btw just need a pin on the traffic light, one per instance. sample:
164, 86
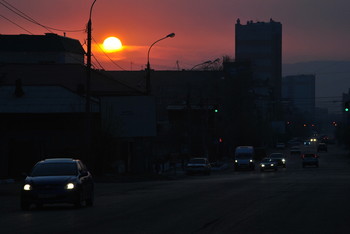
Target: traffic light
346, 106
216, 109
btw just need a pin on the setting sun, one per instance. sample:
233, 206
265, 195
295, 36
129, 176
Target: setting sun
112, 44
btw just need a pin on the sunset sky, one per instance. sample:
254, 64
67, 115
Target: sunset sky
312, 29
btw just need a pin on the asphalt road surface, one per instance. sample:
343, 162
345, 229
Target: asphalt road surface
291, 200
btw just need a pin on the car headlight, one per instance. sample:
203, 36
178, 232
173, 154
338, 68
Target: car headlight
251, 160
236, 161
70, 186
283, 160
27, 187
262, 165
272, 164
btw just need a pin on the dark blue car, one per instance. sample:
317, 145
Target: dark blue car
58, 180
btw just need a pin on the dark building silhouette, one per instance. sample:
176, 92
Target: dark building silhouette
299, 91
48, 48
261, 44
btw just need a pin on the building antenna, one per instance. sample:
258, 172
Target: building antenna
177, 65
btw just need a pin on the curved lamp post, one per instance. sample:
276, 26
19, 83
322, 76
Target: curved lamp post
148, 74
206, 62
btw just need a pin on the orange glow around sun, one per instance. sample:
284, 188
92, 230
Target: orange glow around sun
112, 44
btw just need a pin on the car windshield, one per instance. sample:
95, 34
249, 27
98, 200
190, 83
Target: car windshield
309, 155
55, 169
267, 160
276, 156
243, 156
197, 161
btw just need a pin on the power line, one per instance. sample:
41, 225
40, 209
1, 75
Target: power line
108, 56
16, 24
98, 62
22, 15
30, 19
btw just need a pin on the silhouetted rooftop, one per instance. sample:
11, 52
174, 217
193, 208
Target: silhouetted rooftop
39, 43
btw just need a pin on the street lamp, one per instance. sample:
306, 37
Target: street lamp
148, 74
206, 62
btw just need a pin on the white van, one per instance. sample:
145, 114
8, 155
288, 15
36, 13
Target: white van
244, 158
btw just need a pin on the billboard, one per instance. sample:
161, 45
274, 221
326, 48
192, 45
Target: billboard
129, 116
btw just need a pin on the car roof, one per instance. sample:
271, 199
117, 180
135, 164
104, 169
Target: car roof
59, 160
276, 154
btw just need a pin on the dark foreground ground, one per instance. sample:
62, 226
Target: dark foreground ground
291, 200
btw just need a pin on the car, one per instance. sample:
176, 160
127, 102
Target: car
280, 158
280, 145
310, 159
295, 150
198, 166
244, 158
57, 180
268, 164
322, 147
294, 142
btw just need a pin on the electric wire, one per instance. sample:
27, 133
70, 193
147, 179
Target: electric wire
30, 19
98, 62
16, 24
107, 55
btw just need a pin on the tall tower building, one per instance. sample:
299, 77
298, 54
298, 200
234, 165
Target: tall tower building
299, 90
261, 44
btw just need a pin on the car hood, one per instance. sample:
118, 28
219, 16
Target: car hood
267, 163
40, 180
196, 165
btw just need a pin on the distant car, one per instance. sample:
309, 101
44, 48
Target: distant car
280, 158
268, 164
198, 166
322, 147
280, 145
310, 159
295, 150
58, 180
244, 158
294, 142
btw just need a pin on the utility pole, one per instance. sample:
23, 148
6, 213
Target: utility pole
88, 81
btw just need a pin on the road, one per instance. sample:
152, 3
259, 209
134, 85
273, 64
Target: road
291, 200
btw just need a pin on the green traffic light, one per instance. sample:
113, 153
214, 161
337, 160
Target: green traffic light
346, 109
216, 110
